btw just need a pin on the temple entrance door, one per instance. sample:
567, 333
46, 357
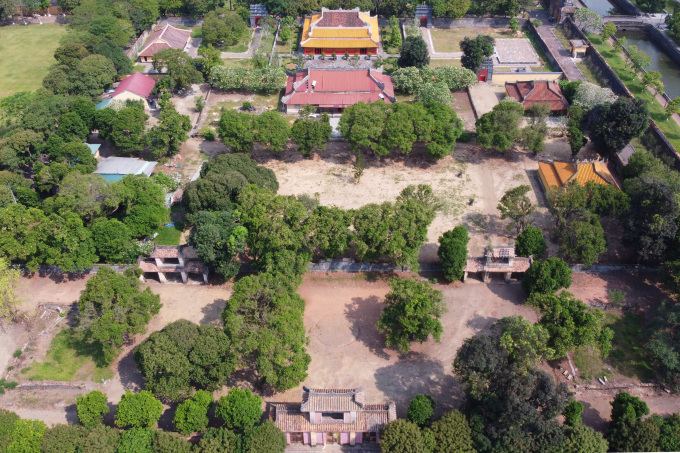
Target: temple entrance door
332, 438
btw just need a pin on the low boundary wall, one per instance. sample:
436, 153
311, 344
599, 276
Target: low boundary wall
617, 86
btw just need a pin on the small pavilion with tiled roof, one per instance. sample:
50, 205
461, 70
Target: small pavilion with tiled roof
332, 416
560, 174
538, 92
165, 259
166, 37
497, 259
340, 31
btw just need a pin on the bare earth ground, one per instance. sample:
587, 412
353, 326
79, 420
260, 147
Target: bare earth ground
346, 349
468, 185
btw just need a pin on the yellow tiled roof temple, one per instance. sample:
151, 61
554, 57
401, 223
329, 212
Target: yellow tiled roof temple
558, 174
340, 37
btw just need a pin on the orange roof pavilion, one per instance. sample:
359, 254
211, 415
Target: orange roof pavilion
559, 174
340, 31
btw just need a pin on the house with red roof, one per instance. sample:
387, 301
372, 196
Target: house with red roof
167, 37
538, 92
136, 87
334, 90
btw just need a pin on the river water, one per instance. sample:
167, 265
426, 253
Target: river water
670, 71
602, 7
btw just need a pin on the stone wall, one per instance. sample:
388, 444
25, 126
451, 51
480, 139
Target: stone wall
448, 22
626, 7
544, 47
664, 41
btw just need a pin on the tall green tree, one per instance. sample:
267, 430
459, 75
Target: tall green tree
531, 242
263, 319
180, 67
127, 133
166, 137
411, 313
453, 251
614, 125
516, 206
547, 276
401, 436
92, 408
138, 410
239, 409
236, 130
184, 356
571, 323
272, 130
413, 52
9, 280
476, 51
499, 128
311, 134
192, 415
218, 239
112, 309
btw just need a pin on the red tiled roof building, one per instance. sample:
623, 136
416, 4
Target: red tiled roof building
332, 416
333, 90
538, 92
167, 37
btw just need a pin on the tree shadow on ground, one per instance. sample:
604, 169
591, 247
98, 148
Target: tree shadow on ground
480, 323
418, 373
212, 313
168, 415
511, 292
591, 417
363, 313
130, 376
71, 414
109, 418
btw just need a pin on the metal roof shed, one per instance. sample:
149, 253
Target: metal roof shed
115, 168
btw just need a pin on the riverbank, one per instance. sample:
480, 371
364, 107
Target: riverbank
657, 112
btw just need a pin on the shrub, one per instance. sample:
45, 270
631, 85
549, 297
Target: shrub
421, 409
239, 409
91, 409
138, 410
547, 276
453, 252
209, 135
531, 242
192, 415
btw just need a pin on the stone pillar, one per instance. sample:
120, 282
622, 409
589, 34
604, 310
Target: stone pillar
159, 263
464, 276
161, 277
205, 277
184, 276
486, 277
287, 438
352, 438
507, 277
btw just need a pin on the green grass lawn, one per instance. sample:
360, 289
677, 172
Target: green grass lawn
385, 33
627, 355
562, 38
438, 63
67, 360
266, 44
242, 44
670, 128
448, 40
588, 73
26, 54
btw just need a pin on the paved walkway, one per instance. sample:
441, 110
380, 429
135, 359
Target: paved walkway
438, 55
563, 57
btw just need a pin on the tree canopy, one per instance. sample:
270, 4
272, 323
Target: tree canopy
239, 409
453, 252
547, 276
413, 52
112, 309
184, 356
263, 320
412, 311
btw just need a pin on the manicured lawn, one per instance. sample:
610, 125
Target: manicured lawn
67, 360
669, 127
448, 40
438, 63
26, 54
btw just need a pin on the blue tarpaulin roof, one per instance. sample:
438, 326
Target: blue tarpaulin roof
94, 147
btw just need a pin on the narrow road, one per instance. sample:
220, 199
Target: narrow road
563, 57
